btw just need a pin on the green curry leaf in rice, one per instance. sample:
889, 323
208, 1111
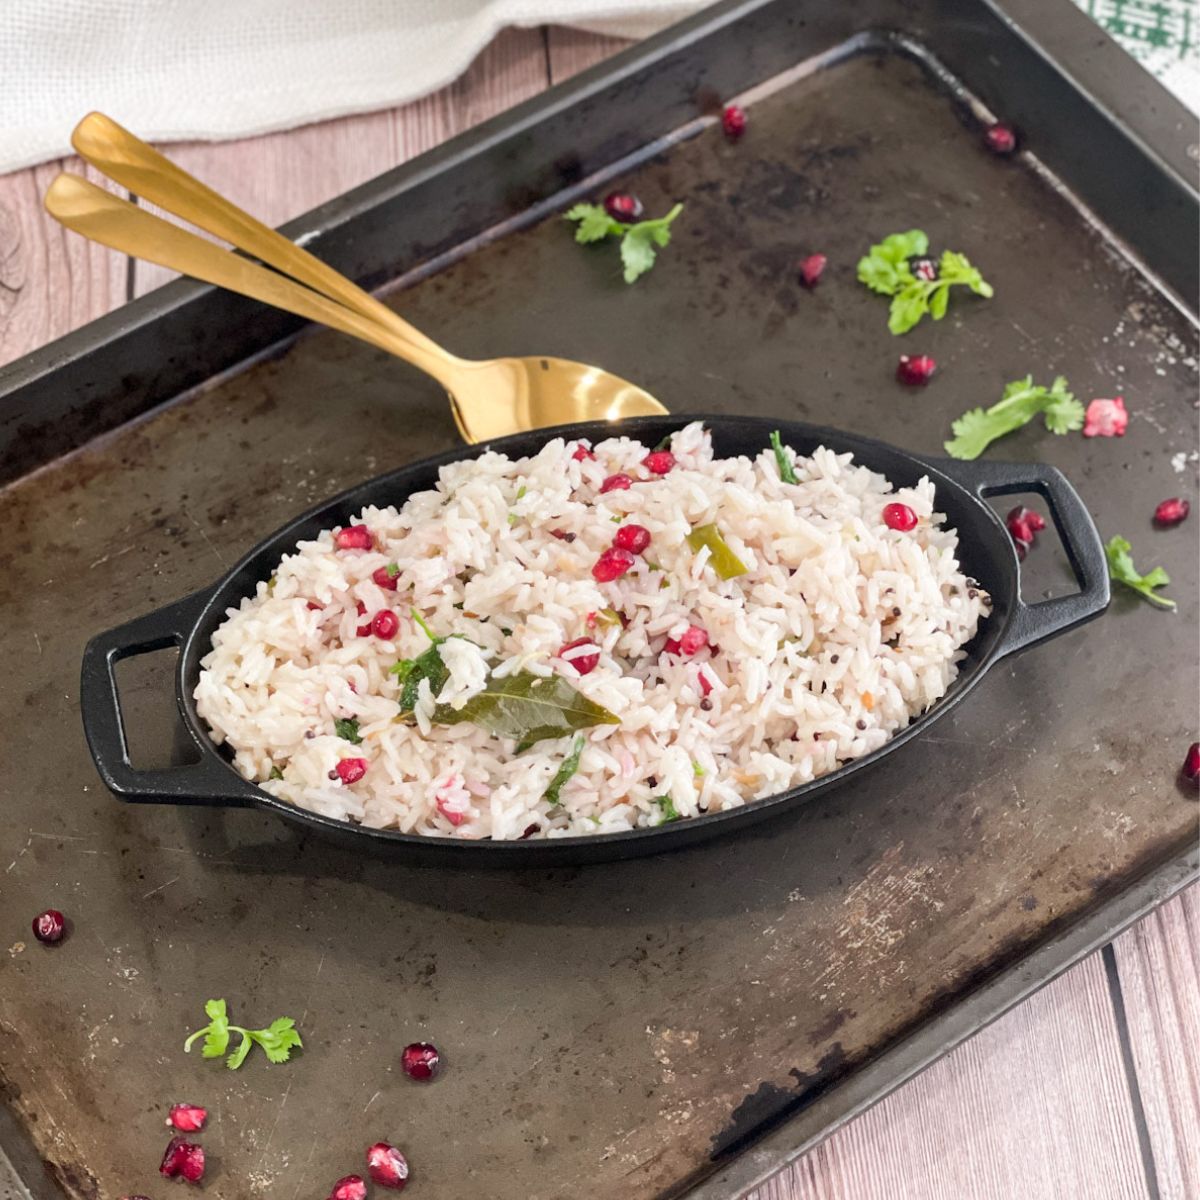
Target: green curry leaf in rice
724, 561
569, 766
527, 707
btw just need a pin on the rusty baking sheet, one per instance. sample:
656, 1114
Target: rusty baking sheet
642, 1029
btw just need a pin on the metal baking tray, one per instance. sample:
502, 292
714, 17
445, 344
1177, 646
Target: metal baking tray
685, 1024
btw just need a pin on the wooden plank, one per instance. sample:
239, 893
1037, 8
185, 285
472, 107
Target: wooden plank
571, 50
51, 281
1159, 967
280, 175
1035, 1105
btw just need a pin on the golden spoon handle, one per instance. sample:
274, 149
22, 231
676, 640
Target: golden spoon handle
105, 218
125, 158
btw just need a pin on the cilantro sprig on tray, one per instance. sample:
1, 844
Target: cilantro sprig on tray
639, 241
885, 269
277, 1040
974, 431
1122, 570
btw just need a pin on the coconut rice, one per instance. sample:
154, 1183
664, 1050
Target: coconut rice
837, 635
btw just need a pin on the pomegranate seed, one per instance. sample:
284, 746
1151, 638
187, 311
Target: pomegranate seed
659, 462
187, 1117
387, 1166
385, 579
1000, 138
354, 537
811, 269
612, 564
1023, 526
351, 770
1191, 764
585, 664
705, 686
899, 517
49, 926
384, 624
923, 268
634, 538
621, 206
183, 1158
616, 483
733, 121
349, 1187
1105, 418
313, 606
582, 452
693, 640
915, 369
1171, 512
421, 1059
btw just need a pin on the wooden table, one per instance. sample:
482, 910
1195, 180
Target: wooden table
1091, 1089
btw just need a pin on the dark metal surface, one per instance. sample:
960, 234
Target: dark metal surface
986, 554
624, 1030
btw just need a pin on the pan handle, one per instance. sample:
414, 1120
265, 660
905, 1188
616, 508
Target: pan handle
207, 781
1033, 623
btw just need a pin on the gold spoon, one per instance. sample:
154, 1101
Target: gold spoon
489, 398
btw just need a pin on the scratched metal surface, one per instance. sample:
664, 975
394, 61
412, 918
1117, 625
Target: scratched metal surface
613, 1031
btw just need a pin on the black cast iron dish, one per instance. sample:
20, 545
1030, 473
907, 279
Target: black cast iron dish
985, 552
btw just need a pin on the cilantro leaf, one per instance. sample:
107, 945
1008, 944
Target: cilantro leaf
885, 270
569, 766
786, 471
974, 431
1122, 570
276, 773
392, 569
347, 727
594, 223
277, 1040
667, 807
638, 241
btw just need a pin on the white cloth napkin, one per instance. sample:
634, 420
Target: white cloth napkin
210, 69
175, 70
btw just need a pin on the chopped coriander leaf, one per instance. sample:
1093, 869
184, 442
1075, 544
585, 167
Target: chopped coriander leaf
608, 617
402, 668
616, 518
974, 431
392, 569
459, 605
513, 518
698, 770
786, 471
1122, 570
347, 728
416, 616
726, 564
653, 566
569, 766
665, 444
506, 632
277, 1040
276, 773
667, 807
639, 242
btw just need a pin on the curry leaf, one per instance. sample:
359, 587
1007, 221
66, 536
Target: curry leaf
569, 766
724, 561
527, 707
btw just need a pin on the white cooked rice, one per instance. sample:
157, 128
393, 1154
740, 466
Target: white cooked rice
838, 635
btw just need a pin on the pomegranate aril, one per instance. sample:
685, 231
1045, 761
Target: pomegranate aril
690, 642
585, 664
616, 483
49, 926
387, 1166
1000, 138
733, 122
923, 268
621, 206
187, 1117
899, 517
915, 369
634, 538
582, 452
811, 269
351, 770
1191, 764
349, 1187
1105, 418
385, 578
1171, 512
385, 624
313, 606
421, 1060
659, 462
612, 564
362, 630
183, 1159
354, 537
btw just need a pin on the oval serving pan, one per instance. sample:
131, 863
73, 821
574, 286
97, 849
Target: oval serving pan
985, 551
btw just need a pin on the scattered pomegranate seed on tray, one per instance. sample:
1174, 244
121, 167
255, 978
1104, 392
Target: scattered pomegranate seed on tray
1000, 139
1171, 512
387, 1166
49, 927
915, 370
187, 1117
811, 269
621, 206
733, 122
420, 1060
182, 1160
